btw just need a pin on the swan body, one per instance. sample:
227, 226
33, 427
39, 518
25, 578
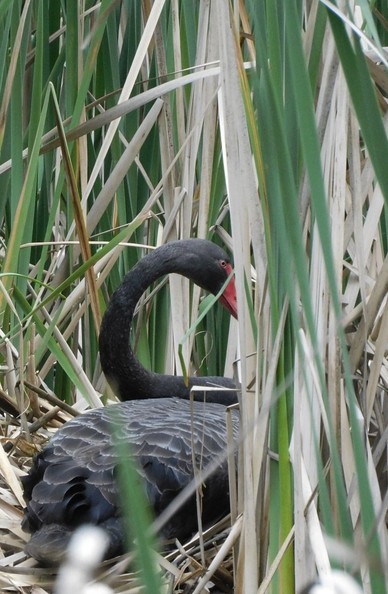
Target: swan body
73, 478
72, 481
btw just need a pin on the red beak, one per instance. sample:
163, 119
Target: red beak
229, 298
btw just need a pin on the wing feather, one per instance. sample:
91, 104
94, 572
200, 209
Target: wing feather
73, 480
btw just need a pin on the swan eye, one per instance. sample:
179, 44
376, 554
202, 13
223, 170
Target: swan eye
223, 263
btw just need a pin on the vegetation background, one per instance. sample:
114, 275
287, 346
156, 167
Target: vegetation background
262, 125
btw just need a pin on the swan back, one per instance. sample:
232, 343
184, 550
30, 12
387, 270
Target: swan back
73, 480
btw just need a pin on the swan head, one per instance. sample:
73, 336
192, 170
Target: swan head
208, 266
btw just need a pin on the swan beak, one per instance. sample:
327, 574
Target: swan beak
229, 297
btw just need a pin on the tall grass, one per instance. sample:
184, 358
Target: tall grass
262, 125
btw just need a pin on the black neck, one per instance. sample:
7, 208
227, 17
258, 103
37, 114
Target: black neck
127, 377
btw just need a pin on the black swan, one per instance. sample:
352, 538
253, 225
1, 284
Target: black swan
72, 481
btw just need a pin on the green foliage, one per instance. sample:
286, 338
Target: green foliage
261, 126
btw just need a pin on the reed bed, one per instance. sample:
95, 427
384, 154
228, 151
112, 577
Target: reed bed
263, 126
